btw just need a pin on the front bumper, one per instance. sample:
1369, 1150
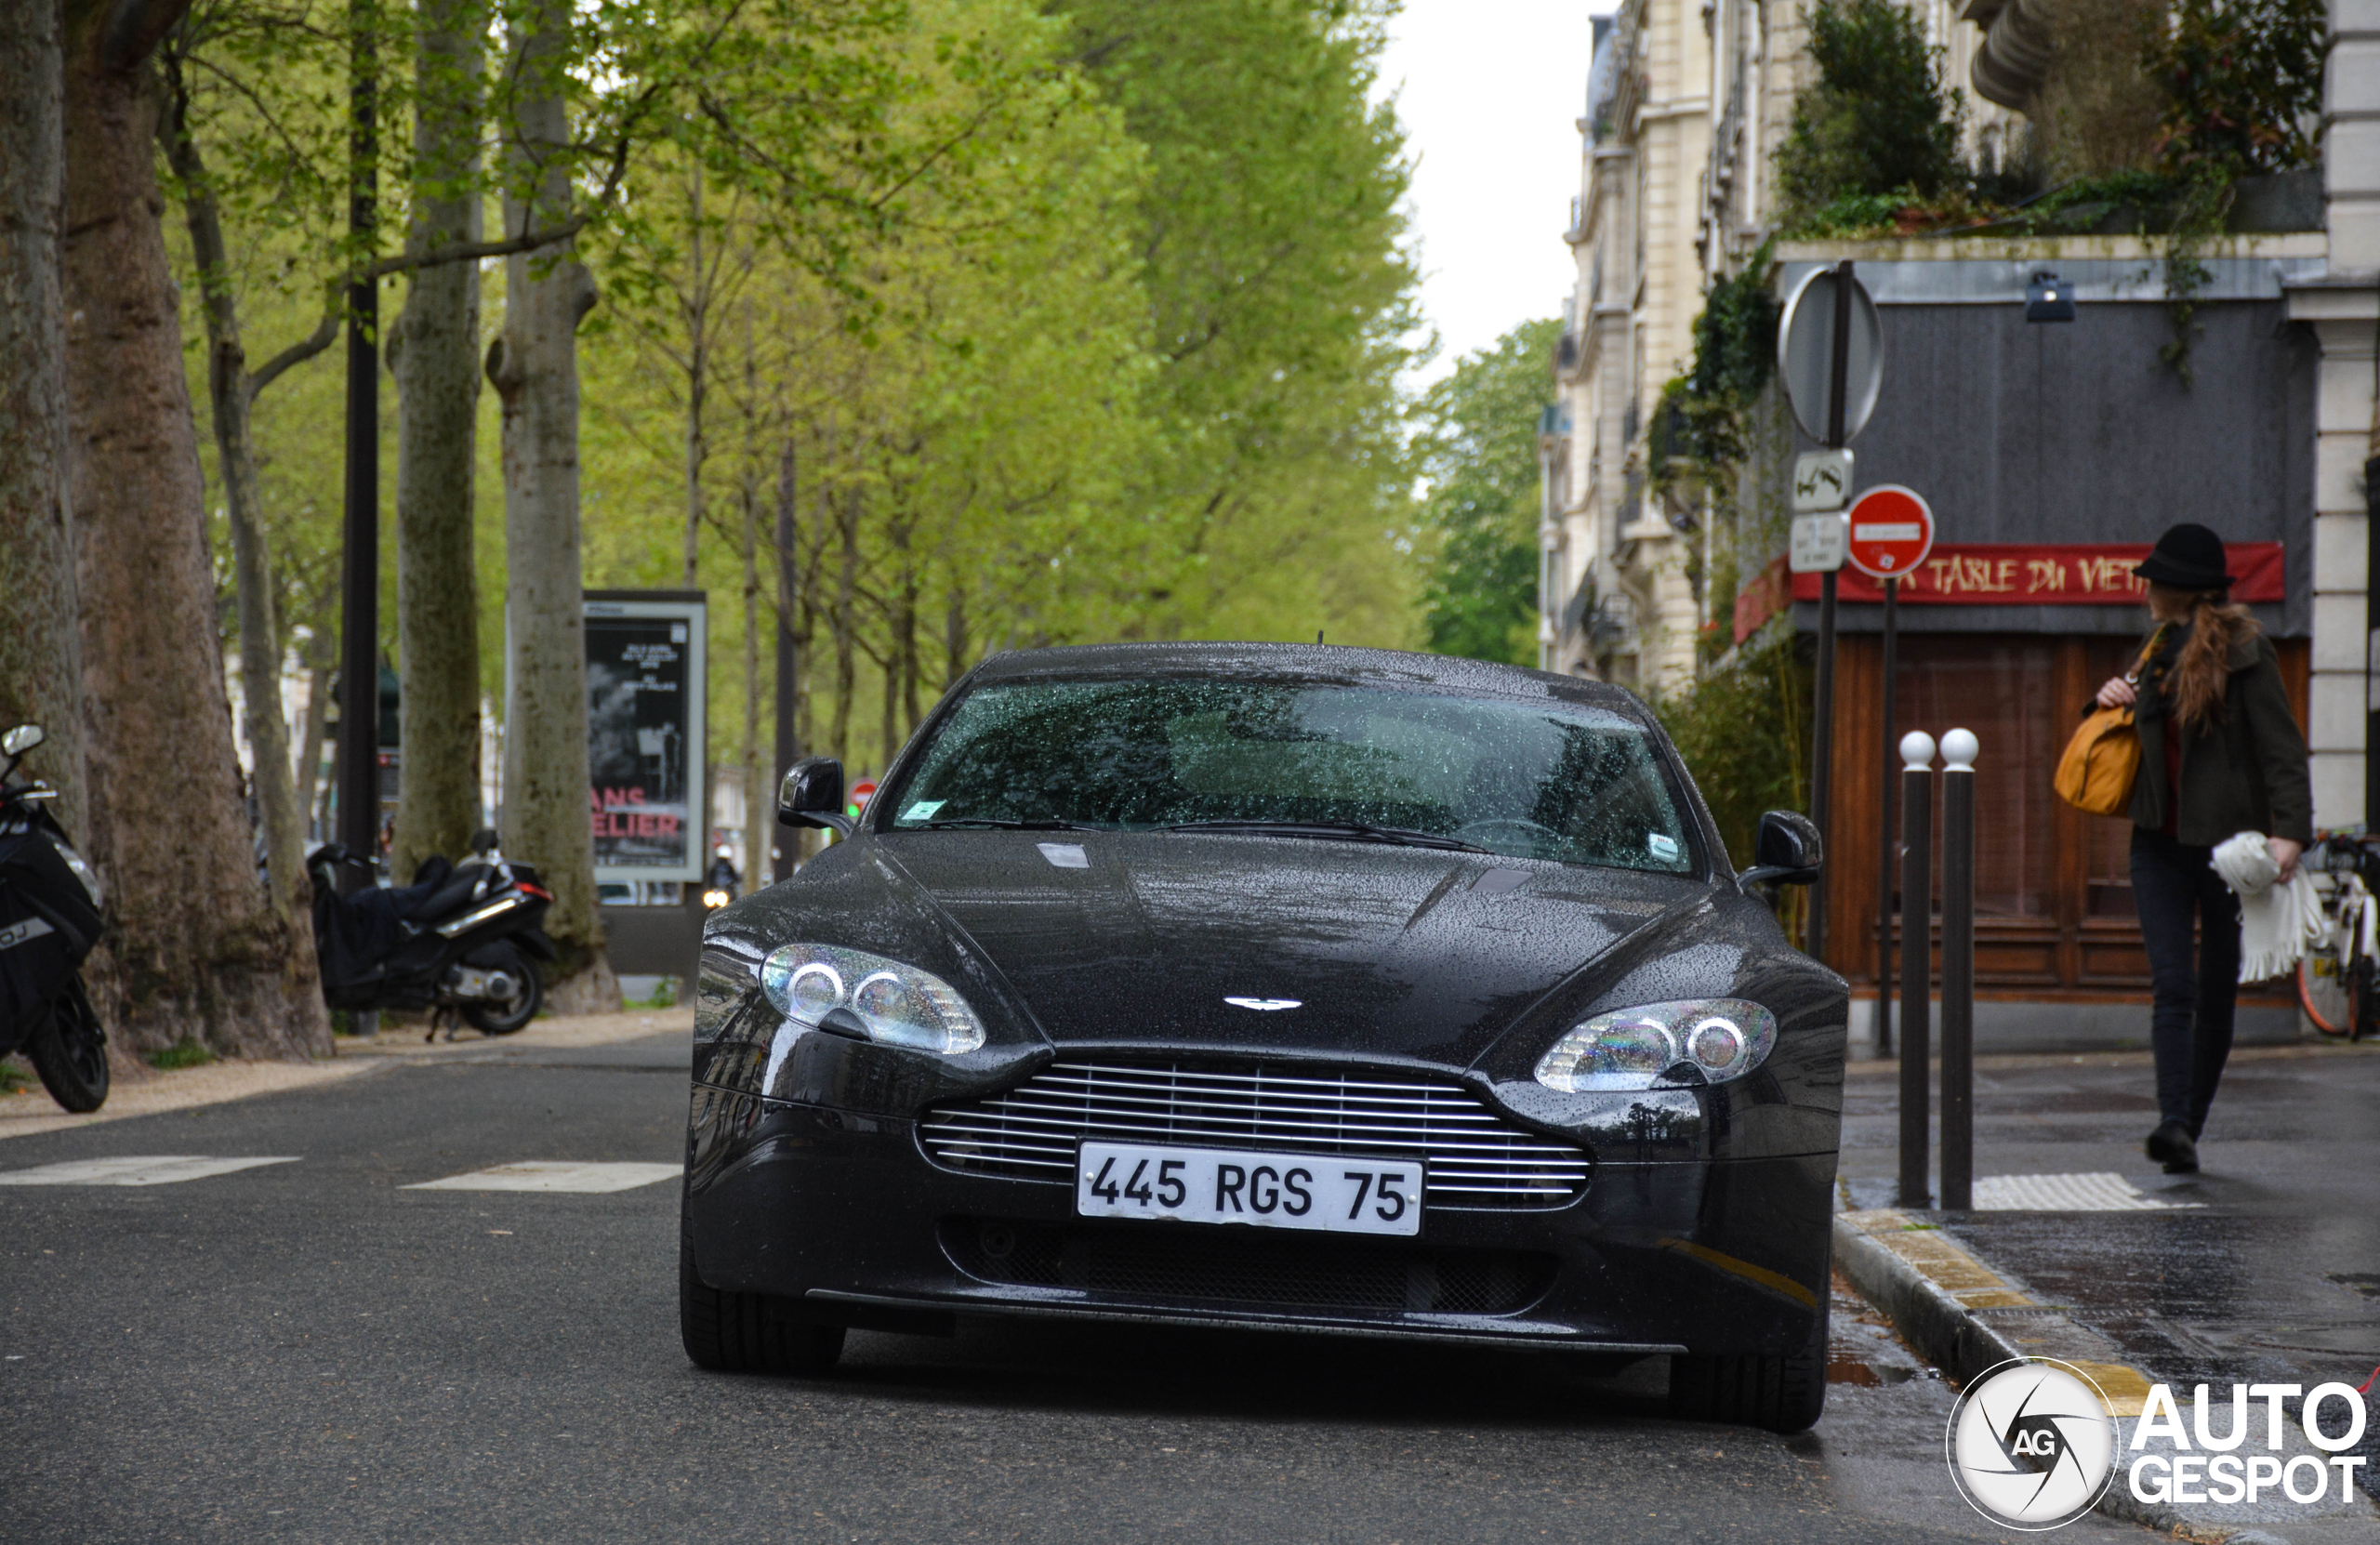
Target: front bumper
842, 1214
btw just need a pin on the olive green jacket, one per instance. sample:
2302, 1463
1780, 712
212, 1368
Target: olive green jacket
2246, 771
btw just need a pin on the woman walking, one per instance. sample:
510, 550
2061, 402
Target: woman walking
2220, 753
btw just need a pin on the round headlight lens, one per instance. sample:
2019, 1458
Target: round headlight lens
1703, 1039
1716, 1044
898, 1004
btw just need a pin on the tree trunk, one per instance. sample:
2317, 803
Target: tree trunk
534, 367
433, 351
953, 636
844, 625
307, 754
290, 891
193, 945
760, 800
695, 306
40, 654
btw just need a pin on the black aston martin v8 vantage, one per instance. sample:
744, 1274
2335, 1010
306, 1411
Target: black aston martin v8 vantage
1280, 986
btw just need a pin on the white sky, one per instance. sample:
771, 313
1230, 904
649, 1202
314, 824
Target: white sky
1490, 92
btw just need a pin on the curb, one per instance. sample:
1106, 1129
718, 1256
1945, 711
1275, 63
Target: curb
1945, 1302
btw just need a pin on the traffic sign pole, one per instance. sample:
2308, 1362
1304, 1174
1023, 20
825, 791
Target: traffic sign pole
1891, 530
1885, 843
1822, 716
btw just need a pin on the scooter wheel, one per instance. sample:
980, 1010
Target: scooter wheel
502, 1019
70, 1052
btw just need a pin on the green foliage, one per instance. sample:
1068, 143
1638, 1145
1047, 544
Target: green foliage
1878, 118
1700, 416
1279, 292
189, 1051
2244, 80
15, 1073
1476, 439
1743, 729
1080, 320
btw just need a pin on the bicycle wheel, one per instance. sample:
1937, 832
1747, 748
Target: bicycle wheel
2323, 992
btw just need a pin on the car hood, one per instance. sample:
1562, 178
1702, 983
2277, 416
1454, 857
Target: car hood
1123, 938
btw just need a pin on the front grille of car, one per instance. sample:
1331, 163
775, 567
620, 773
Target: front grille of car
1472, 1157
1155, 1261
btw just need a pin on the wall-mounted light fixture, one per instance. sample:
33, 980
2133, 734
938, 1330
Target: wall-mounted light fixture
2049, 298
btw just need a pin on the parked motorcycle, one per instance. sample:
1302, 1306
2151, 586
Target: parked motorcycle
462, 938
49, 920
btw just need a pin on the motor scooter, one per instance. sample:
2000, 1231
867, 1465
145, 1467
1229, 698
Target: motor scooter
462, 938
49, 920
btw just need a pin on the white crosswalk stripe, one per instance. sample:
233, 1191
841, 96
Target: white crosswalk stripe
554, 1175
2098, 1192
143, 1170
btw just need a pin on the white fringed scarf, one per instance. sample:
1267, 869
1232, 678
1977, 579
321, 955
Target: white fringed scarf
2277, 922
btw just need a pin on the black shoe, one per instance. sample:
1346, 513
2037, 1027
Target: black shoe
2171, 1146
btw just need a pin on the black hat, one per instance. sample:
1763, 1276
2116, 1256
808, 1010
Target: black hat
2188, 558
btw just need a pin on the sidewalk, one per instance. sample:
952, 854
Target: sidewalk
2263, 1268
31, 1110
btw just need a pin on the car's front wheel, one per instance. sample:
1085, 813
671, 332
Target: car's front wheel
745, 1332
1784, 1394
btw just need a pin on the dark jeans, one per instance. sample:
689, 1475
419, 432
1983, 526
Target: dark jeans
2173, 887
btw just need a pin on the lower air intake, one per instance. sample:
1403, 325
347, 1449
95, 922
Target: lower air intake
1158, 1263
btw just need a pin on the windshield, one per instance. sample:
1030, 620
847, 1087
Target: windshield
1530, 780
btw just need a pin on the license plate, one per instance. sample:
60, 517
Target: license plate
1281, 1191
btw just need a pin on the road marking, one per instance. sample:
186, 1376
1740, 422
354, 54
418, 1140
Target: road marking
554, 1175
2100, 1192
147, 1169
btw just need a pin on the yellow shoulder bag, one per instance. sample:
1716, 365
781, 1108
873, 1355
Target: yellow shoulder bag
2101, 763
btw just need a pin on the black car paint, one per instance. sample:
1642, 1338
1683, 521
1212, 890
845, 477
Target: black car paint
1704, 1224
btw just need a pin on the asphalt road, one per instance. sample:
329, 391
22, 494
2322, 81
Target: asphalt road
307, 1350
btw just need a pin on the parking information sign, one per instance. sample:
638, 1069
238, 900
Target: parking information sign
1892, 530
1817, 543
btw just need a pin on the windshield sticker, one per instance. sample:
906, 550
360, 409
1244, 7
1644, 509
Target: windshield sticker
1064, 855
1662, 847
923, 810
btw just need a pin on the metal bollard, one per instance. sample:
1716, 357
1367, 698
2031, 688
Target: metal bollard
1958, 750
1916, 962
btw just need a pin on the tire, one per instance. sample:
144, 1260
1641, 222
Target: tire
2323, 994
2363, 1001
71, 1051
1783, 1394
745, 1332
503, 1020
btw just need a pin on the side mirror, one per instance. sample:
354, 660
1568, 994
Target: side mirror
485, 841
21, 739
811, 794
1789, 851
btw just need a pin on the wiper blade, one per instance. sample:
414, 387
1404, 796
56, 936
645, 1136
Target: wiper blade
1004, 823
1360, 831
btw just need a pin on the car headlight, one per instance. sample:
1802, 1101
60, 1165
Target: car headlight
1704, 1040
898, 1005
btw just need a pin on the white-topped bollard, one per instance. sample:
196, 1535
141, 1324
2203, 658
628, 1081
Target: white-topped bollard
1916, 964
1959, 751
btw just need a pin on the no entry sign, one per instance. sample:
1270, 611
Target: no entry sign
1892, 530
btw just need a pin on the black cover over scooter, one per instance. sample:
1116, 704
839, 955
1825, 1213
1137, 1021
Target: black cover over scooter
354, 933
47, 925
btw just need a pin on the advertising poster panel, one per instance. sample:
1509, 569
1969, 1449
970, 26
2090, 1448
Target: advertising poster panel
645, 666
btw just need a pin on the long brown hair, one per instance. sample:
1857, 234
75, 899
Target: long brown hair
2218, 626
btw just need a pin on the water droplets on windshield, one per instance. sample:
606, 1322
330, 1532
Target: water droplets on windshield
1575, 783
